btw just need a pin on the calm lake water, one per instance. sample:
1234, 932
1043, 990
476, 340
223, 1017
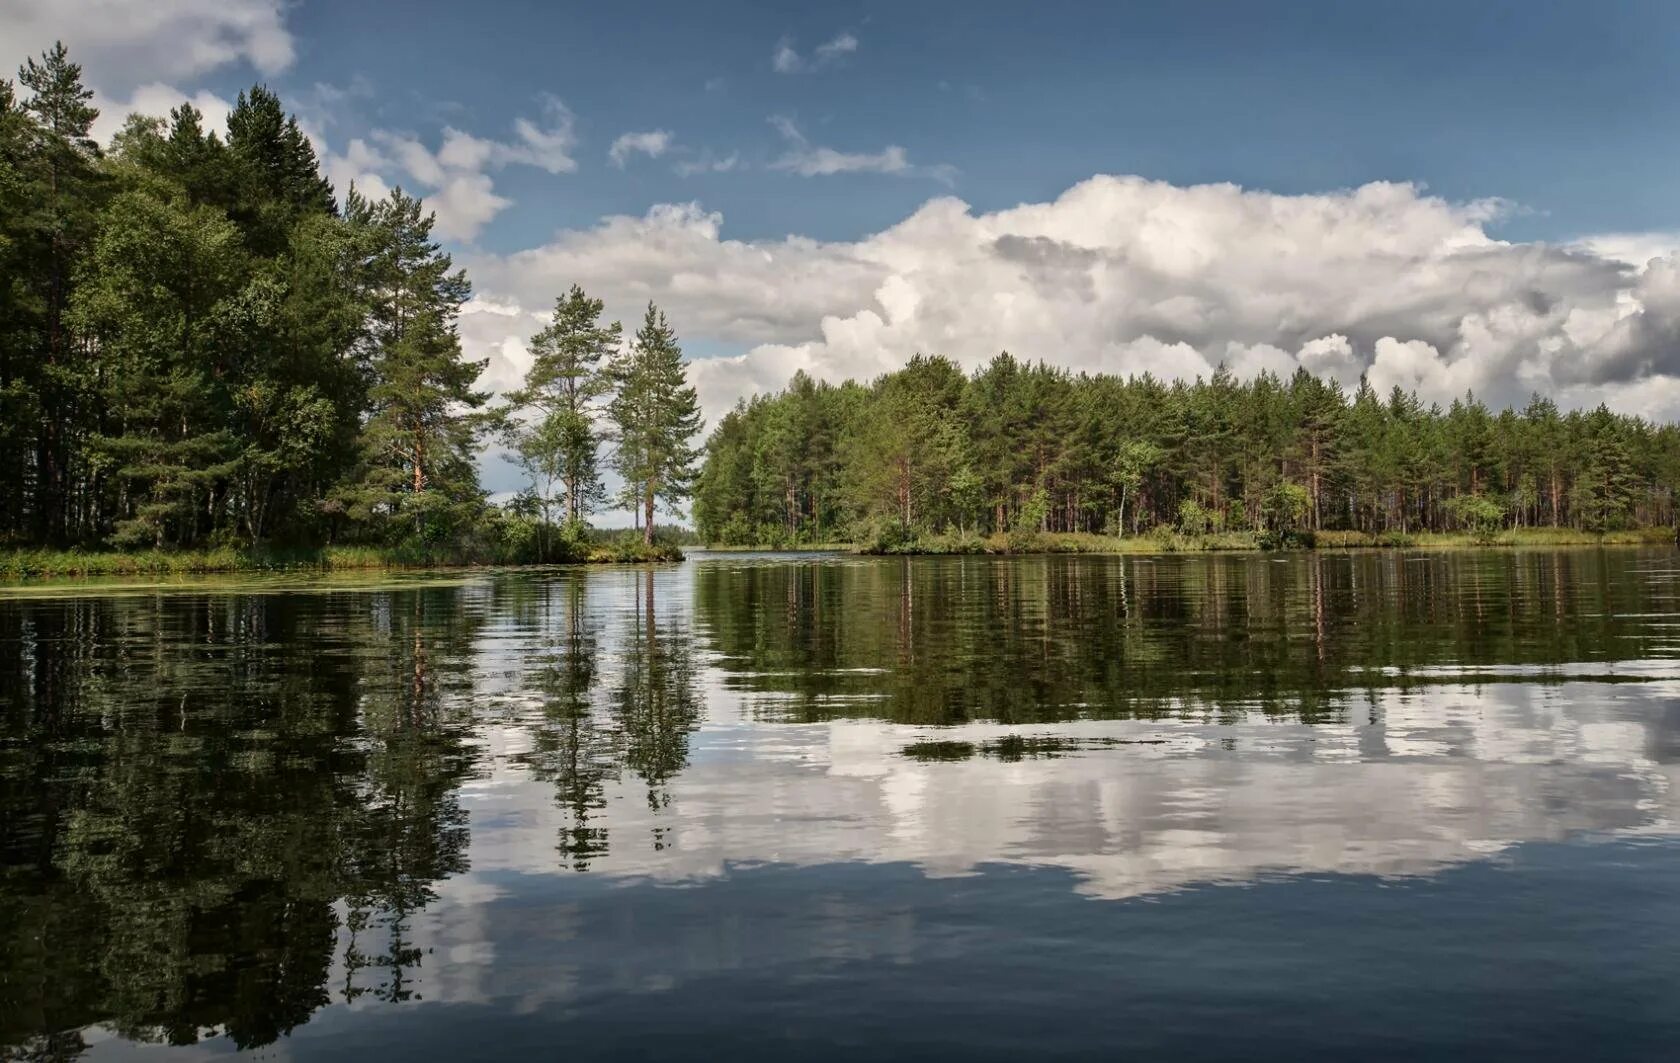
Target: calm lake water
1383, 805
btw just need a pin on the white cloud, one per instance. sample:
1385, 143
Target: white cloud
548, 146
157, 100
707, 162
652, 143
1636, 249
808, 160
465, 203
785, 58
1125, 275
359, 165
454, 176
133, 42
831, 51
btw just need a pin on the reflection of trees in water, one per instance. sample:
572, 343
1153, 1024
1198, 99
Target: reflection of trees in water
655, 700
945, 640
184, 797
635, 714
572, 746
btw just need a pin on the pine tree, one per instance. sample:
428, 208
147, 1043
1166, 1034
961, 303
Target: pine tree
1607, 486
563, 388
60, 166
656, 414
20, 407
418, 442
278, 179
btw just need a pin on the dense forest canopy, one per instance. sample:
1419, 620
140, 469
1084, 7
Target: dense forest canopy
200, 345
1017, 446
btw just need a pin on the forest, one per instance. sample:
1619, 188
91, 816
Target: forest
930, 457
202, 348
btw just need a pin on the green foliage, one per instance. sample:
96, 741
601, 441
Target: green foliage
202, 351
556, 431
417, 476
1193, 518
1482, 516
1024, 536
656, 414
1014, 448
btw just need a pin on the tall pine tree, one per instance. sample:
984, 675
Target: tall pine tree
656, 414
562, 392
418, 443
63, 198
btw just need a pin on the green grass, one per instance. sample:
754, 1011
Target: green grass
1510, 537
1170, 541
771, 548
25, 564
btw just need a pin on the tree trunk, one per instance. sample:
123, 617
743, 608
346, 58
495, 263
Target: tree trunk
647, 513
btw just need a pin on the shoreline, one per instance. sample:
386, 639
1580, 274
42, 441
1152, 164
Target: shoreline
28, 565
1231, 542
20, 567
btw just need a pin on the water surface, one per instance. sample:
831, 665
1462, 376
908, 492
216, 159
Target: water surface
1385, 804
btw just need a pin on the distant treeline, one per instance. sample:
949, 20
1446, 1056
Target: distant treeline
201, 347
1021, 448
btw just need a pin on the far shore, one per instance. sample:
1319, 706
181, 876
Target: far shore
26, 566
1221, 542
31, 564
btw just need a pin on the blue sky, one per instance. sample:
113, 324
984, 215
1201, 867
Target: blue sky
1437, 196
1559, 107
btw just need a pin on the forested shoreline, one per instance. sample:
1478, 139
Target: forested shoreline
203, 352
931, 458
205, 356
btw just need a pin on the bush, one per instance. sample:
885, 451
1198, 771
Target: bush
1290, 539
1025, 535
884, 535
1483, 517
1193, 517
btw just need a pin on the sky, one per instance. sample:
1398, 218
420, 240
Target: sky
1443, 197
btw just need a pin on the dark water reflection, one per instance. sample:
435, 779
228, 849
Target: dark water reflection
761, 805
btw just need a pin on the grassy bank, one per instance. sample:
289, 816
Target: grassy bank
1215, 542
769, 548
49, 564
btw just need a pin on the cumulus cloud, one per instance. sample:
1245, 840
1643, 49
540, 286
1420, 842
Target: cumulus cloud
652, 143
785, 58
453, 176
132, 42
1126, 275
809, 160
156, 100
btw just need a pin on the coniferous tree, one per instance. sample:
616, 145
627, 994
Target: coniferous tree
562, 392
153, 302
63, 200
20, 407
656, 414
278, 178
418, 470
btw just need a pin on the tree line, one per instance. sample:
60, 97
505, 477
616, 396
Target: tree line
200, 345
1019, 447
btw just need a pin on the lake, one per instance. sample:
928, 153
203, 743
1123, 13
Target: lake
1389, 805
